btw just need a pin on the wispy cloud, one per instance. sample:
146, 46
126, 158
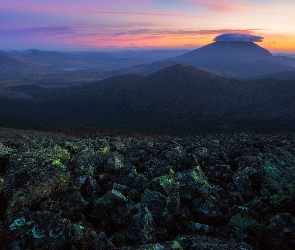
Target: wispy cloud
218, 5
27, 7
180, 33
238, 37
114, 31
134, 13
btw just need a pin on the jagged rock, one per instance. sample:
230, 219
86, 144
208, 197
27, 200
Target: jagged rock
115, 164
241, 222
132, 179
4, 158
26, 187
198, 228
166, 184
47, 230
220, 174
62, 202
84, 236
277, 233
155, 202
34, 230
278, 173
192, 184
84, 164
2, 183
208, 211
142, 229
114, 206
205, 242
248, 177
194, 192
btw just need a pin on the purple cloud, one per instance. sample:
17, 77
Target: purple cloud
236, 37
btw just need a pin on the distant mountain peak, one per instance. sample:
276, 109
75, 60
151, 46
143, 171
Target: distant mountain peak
220, 52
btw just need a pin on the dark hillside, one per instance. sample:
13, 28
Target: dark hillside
286, 75
176, 100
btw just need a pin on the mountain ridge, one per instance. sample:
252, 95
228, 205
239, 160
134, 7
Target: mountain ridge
230, 59
178, 99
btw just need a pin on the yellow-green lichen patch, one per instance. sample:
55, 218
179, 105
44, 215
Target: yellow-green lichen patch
199, 177
165, 180
103, 150
59, 154
114, 163
165, 184
278, 173
43, 156
77, 231
64, 177
176, 245
4, 150
202, 152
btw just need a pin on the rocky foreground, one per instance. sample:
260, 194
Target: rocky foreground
222, 191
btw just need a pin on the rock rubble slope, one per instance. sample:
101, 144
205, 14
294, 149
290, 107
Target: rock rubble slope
226, 191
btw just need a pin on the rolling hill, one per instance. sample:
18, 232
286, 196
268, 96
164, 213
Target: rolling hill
7, 59
176, 100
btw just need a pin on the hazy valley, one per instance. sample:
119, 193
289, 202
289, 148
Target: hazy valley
190, 93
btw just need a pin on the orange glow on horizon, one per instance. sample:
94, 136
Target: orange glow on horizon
273, 45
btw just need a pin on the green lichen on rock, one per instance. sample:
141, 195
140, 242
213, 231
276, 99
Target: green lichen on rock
77, 231
60, 154
165, 184
103, 150
114, 163
193, 183
4, 150
175, 245
278, 173
199, 177
2, 183
199, 192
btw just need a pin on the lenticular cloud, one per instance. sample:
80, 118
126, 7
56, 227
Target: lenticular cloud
235, 37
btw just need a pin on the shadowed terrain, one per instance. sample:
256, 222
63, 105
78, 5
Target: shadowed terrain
176, 100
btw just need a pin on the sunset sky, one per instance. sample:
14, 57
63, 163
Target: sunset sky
130, 24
